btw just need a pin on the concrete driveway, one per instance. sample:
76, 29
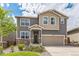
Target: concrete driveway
63, 51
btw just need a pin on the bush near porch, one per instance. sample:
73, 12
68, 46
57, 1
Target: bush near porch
21, 46
34, 48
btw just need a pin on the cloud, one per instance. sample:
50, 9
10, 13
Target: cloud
32, 9
7, 4
13, 16
19, 3
39, 7
3, 4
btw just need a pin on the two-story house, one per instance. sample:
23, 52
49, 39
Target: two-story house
49, 28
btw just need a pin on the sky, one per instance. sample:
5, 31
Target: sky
32, 9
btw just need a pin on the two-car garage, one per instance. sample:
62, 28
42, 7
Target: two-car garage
53, 40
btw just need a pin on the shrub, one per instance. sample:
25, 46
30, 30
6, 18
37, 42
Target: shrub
21, 47
12, 48
27, 48
36, 48
21, 41
22, 54
1, 49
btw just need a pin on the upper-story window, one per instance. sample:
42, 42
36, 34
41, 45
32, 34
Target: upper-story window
62, 21
24, 22
53, 20
24, 34
45, 20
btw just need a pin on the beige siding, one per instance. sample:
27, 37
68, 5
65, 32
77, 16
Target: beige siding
53, 40
74, 37
49, 26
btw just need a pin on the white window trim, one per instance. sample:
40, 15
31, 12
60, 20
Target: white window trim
43, 20
24, 25
24, 31
54, 18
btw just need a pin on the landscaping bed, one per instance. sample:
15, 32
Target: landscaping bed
38, 49
22, 54
23, 50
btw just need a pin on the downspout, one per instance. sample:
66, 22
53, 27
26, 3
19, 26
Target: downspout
66, 32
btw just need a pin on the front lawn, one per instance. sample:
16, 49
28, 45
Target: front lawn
21, 54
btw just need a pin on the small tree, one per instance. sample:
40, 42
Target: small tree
12, 48
1, 49
7, 24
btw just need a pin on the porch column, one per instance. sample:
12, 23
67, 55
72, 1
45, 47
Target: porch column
30, 37
41, 37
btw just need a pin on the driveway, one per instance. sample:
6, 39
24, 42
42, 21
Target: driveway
63, 51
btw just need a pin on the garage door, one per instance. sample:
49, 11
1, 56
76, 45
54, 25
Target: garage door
52, 40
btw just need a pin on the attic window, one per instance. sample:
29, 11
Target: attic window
45, 20
53, 20
62, 21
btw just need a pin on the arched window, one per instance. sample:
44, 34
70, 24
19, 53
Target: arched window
53, 20
45, 20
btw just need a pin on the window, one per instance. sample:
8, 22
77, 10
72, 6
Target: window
62, 21
24, 34
52, 20
24, 22
45, 20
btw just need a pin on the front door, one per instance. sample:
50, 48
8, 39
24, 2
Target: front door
36, 37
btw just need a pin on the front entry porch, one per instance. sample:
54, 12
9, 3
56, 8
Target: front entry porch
36, 37
35, 34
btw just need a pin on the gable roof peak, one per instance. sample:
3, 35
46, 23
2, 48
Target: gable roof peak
54, 11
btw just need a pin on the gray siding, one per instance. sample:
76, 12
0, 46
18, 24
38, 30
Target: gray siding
34, 21
20, 28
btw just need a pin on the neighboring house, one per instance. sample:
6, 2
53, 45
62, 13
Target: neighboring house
48, 29
74, 35
9, 40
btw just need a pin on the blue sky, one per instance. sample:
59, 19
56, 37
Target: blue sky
14, 7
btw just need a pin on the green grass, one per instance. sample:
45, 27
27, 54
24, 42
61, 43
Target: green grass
22, 54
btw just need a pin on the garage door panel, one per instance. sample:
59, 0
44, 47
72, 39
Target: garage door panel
52, 40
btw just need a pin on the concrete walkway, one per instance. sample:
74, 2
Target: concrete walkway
8, 50
63, 51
